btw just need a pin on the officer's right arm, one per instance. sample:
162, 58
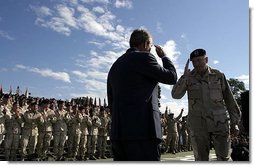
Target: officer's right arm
179, 88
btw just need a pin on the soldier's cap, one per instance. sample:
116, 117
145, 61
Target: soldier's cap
68, 104
198, 52
33, 102
6, 95
45, 101
60, 102
81, 108
171, 114
101, 107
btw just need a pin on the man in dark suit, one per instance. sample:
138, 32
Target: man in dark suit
132, 88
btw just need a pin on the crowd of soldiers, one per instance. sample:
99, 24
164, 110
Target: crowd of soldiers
34, 128
29, 127
176, 131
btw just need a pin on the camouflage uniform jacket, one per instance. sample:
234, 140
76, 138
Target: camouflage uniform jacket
74, 120
31, 120
93, 128
2, 120
103, 128
13, 123
4, 109
47, 118
172, 124
86, 121
60, 125
209, 98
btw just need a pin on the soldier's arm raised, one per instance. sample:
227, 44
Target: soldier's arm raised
179, 89
179, 116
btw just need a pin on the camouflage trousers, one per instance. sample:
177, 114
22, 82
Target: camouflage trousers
171, 141
73, 144
59, 141
1, 138
11, 144
82, 146
101, 145
201, 145
91, 144
43, 144
29, 141
185, 139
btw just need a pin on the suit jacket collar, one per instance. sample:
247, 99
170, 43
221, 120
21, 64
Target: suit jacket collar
130, 50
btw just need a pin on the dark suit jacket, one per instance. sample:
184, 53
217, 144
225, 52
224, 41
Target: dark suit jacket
132, 88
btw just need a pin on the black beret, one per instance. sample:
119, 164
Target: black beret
197, 53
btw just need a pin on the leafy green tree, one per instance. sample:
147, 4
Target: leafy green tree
237, 87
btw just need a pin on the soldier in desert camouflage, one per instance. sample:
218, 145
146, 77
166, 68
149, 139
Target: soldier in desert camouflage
45, 129
5, 107
93, 133
102, 133
29, 136
172, 132
60, 130
13, 124
86, 121
213, 111
74, 131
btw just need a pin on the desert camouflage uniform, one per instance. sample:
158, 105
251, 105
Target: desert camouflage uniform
30, 133
211, 106
60, 132
45, 131
74, 133
102, 135
13, 124
86, 121
172, 133
92, 136
2, 123
3, 110
185, 134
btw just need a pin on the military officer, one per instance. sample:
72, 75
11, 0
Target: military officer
211, 106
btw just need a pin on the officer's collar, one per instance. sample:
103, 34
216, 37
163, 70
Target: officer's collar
207, 72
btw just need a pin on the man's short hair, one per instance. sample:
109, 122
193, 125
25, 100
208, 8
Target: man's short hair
138, 37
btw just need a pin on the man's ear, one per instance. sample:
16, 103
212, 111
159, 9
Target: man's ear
146, 44
206, 59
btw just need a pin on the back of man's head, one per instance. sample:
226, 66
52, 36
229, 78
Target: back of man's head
138, 37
